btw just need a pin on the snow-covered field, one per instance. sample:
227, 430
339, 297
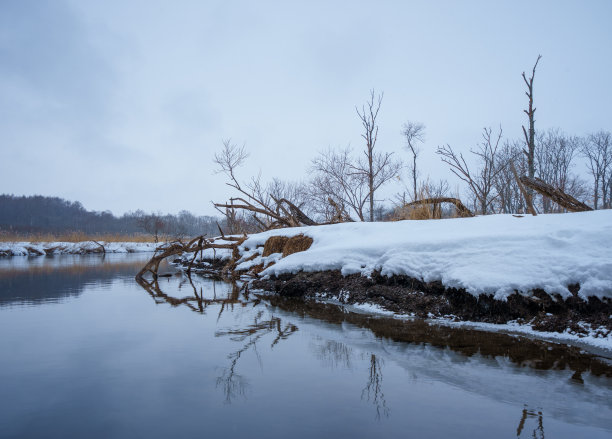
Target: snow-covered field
495, 254
72, 248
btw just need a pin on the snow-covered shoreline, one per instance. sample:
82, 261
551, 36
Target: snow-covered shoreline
73, 248
495, 254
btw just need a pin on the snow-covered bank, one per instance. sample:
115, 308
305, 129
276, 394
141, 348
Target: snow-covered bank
493, 255
73, 248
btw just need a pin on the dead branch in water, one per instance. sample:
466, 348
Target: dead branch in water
194, 246
555, 194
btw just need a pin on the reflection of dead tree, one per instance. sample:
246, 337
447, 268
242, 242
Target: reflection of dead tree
335, 353
373, 390
197, 302
234, 384
538, 432
555, 194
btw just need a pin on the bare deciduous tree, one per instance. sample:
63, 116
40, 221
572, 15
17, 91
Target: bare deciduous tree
153, 224
482, 181
334, 179
510, 199
597, 149
414, 133
254, 197
554, 156
377, 168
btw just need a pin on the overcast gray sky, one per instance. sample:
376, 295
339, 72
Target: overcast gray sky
122, 104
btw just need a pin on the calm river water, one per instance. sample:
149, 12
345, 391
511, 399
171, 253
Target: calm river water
87, 352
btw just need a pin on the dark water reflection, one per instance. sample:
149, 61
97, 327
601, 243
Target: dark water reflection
86, 352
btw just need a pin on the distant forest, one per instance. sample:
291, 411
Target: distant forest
38, 214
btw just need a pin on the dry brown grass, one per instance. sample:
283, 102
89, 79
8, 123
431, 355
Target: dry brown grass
421, 211
295, 244
274, 244
72, 237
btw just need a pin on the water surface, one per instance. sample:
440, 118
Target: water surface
87, 352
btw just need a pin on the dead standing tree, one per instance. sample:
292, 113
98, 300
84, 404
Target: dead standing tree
378, 168
530, 136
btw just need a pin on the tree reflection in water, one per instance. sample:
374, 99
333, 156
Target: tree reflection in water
232, 383
538, 431
536, 354
333, 353
373, 392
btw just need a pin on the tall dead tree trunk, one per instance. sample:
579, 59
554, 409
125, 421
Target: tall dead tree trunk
530, 136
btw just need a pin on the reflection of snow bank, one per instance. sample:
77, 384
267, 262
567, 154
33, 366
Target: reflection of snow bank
72, 248
495, 254
599, 338
493, 377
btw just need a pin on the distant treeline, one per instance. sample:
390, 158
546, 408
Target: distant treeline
39, 214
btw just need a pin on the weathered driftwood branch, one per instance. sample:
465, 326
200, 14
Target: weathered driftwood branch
197, 244
461, 209
555, 194
292, 216
100, 245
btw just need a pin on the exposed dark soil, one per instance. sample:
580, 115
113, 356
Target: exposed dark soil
405, 295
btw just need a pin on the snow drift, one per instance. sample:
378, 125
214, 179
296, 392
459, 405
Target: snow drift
495, 254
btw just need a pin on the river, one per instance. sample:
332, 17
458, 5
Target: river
88, 352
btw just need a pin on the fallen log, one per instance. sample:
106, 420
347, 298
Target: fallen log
555, 194
463, 211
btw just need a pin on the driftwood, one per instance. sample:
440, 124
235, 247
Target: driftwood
555, 194
100, 245
461, 209
194, 246
290, 216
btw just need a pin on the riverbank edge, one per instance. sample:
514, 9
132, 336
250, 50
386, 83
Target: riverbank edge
404, 295
30, 249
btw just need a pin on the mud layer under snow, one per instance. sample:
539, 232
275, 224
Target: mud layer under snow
405, 295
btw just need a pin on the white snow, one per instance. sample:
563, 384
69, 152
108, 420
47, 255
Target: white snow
72, 248
495, 254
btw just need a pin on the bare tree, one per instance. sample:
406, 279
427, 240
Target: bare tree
597, 149
414, 133
510, 199
254, 197
482, 181
554, 157
377, 168
334, 179
530, 136
153, 224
